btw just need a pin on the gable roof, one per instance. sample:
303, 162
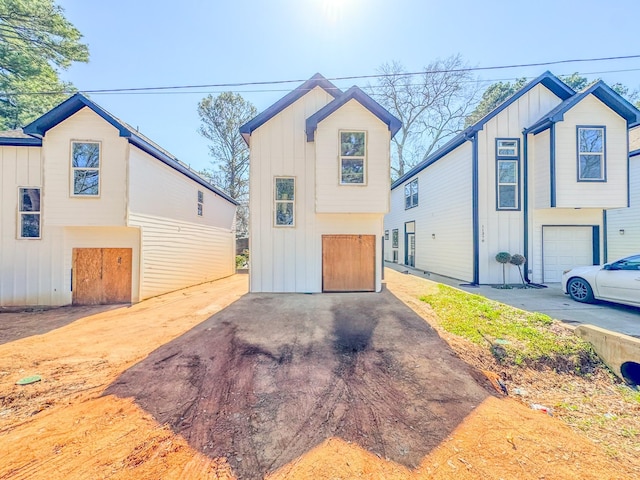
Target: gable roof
39, 127
602, 92
316, 81
634, 141
354, 93
547, 79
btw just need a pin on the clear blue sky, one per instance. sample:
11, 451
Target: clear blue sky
139, 43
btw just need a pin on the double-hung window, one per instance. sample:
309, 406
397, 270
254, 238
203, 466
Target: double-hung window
29, 212
411, 194
507, 174
200, 202
591, 154
85, 166
353, 156
285, 189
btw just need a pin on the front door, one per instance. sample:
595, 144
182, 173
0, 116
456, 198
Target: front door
101, 276
348, 263
411, 250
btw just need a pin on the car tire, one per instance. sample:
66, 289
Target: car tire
580, 290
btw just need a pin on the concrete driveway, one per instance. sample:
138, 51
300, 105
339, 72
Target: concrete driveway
553, 302
274, 375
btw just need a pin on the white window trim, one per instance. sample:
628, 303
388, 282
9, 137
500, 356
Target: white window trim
20, 213
276, 202
341, 158
73, 169
499, 147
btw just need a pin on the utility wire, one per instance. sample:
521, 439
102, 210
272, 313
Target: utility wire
352, 77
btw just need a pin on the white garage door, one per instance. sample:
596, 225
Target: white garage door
564, 248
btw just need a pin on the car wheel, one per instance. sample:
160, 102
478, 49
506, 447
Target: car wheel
580, 290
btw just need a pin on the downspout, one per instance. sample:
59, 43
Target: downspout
474, 206
525, 204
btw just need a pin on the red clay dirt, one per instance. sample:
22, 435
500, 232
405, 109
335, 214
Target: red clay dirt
349, 392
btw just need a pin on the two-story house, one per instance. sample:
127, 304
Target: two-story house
533, 177
92, 211
319, 189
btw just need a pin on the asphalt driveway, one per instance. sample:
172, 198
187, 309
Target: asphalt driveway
551, 301
273, 375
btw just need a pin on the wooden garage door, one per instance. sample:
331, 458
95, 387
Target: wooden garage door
564, 248
101, 276
348, 263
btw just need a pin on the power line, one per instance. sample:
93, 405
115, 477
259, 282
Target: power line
163, 89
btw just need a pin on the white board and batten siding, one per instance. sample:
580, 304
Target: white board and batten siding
443, 217
331, 197
289, 259
569, 191
623, 224
64, 209
502, 230
31, 271
179, 247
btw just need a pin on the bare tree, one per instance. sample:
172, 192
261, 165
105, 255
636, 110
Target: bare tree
221, 118
432, 106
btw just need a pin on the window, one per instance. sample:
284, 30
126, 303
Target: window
352, 158
591, 147
411, 194
394, 238
507, 174
85, 165
386, 234
200, 202
284, 199
29, 215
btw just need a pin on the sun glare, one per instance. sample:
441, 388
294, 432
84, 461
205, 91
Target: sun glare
334, 10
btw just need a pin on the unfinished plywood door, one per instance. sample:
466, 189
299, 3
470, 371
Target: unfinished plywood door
348, 263
101, 276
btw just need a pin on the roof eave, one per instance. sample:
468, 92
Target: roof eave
20, 142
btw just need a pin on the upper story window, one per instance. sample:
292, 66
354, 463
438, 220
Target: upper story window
411, 194
591, 154
285, 188
507, 174
29, 212
200, 202
386, 234
85, 167
352, 158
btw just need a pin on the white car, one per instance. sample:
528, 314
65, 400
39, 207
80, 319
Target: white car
617, 281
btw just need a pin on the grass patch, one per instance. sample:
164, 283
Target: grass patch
530, 339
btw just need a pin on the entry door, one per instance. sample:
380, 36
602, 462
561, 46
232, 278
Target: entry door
348, 263
411, 250
101, 276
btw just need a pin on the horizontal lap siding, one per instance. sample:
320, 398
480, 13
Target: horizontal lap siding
178, 254
179, 247
627, 219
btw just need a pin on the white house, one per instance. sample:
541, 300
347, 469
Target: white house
93, 212
319, 189
532, 177
623, 225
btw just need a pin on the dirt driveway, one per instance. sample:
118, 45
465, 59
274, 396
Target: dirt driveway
300, 386
272, 376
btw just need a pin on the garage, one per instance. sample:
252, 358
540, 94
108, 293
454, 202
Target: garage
567, 246
348, 263
101, 276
